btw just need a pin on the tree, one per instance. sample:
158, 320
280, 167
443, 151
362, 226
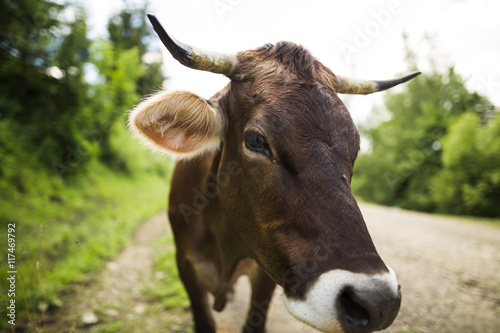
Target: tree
406, 138
469, 182
42, 90
127, 69
129, 29
406, 149
50, 115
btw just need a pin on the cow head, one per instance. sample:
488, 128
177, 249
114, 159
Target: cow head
281, 120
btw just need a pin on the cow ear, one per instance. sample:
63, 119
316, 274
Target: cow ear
179, 124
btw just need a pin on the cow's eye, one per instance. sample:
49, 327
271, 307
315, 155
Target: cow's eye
257, 142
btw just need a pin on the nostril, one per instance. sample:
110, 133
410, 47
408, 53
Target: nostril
355, 314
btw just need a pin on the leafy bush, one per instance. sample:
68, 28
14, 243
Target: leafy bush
410, 163
72, 179
469, 182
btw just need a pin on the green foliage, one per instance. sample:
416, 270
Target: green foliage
27, 31
119, 70
124, 74
42, 90
72, 179
411, 163
115, 91
66, 231
169, 288
62, 121
130, 29
469, 182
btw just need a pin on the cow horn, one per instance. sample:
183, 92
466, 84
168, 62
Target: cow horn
356, 86
194, 58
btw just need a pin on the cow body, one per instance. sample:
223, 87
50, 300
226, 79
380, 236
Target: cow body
210, 255
262, 188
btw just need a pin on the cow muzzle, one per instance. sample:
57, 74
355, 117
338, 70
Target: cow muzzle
342, 301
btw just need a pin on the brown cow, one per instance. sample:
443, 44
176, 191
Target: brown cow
262, 188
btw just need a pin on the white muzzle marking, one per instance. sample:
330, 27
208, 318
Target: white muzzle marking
319, 308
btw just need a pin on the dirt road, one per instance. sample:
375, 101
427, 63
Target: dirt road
449, 270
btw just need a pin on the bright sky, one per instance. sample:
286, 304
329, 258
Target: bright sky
467, 35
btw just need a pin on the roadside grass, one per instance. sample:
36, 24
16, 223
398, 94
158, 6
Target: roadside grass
66, 229
412, 322
463, 218
168, 290
468, 218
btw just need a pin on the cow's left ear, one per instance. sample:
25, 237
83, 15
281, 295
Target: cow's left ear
179, 124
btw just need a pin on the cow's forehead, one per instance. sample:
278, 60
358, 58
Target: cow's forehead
285, 61
290, 95
308, 129
300, 106
283, 76
286, 77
